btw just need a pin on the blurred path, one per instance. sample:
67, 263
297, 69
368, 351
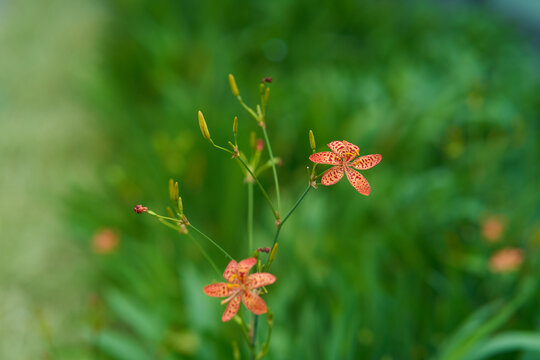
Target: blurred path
46, 48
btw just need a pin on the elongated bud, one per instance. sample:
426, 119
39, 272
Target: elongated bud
312, 140
260, 145
273, 253
203, 126
170, 212
234, 87
253, 140
180, 206
266, 95
235, 125
171, 189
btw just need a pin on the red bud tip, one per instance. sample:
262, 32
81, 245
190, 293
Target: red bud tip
260, 144
140, 209
264, 249
267, 79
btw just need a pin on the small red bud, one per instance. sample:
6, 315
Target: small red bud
264, 249
140, 209
260, 144
267, 79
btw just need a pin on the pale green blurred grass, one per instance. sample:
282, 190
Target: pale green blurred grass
48, 50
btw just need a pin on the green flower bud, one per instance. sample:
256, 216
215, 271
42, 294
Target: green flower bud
234, 87
203, 126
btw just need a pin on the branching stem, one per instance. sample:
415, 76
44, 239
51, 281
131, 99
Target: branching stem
250, 217
274, 171
275, 213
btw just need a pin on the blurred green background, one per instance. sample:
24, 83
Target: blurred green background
98, 105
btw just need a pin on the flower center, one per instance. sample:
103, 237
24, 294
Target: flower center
348, 156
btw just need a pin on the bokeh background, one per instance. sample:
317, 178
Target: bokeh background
98, 105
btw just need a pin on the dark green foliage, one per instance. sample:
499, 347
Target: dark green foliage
448, 95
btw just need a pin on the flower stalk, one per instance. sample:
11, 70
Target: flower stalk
240, 286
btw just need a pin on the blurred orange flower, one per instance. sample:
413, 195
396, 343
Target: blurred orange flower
506, 260
239, 287
105, 241
493, 227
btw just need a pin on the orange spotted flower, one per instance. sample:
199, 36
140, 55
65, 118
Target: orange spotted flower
343, 156
240, 287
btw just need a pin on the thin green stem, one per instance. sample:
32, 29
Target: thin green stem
276, 214
276, 182
264, 166
283, 222
174, 227
261, 120
220, 147
209, 239
296, 204
266, 344
241, 160
162, 217
254, 338
249, 110
250, 217
246, 335
205, 254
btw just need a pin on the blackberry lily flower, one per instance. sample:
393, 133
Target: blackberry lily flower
343, 156
240, 287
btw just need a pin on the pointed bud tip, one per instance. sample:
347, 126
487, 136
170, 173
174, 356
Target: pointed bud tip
312, 140
234, 87
180, 205
203, 126
273, 252
235, 125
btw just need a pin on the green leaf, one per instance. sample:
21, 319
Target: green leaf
120, 346
482, 323
140, 319
508, 341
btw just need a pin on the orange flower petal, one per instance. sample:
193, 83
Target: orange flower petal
244, 266
232, 308
255, 281
219, 290
351, 153
358, 181
230, 270
254, 303
332, 175
339, 148
366, 162
351, 147
325, 157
